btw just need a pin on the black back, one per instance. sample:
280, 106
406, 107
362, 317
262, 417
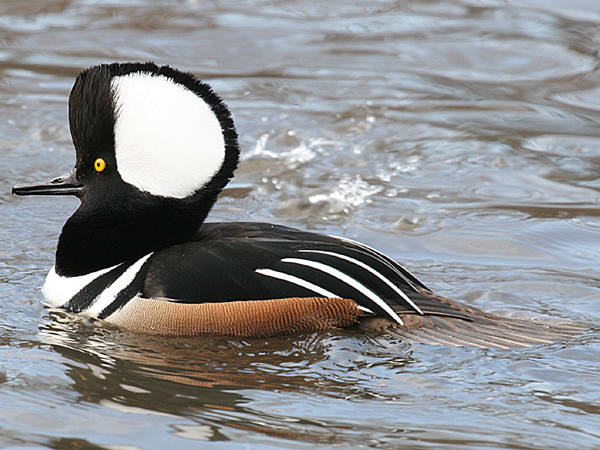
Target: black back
220, 265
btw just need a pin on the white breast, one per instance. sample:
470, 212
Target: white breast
59, 290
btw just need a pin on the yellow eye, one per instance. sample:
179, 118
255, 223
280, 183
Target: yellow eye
99, 165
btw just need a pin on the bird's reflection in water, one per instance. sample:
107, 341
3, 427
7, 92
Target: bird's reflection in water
214, 381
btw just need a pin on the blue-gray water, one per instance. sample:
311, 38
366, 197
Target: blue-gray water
460, 137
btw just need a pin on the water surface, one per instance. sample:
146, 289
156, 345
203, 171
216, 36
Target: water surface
460, 137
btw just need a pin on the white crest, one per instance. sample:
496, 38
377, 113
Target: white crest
168, 141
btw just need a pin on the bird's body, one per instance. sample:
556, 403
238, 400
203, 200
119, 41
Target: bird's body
154, 149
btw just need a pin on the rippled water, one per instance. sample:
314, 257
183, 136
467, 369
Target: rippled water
460, 137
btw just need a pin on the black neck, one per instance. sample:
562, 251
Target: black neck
95, 238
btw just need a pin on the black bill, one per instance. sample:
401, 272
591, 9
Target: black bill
65, 185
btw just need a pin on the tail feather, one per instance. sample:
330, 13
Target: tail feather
500, 333
472, 327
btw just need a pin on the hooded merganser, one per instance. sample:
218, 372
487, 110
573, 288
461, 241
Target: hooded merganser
155, 147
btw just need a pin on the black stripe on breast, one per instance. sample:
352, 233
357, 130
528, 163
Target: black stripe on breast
86, 296
127, 293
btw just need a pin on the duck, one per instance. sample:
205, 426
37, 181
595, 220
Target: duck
155, 146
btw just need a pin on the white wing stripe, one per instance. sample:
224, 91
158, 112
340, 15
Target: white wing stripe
295, 280
373, 271
382, 258
349, 281
305, 284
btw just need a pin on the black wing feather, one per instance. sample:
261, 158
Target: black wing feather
221, 265
229, 262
